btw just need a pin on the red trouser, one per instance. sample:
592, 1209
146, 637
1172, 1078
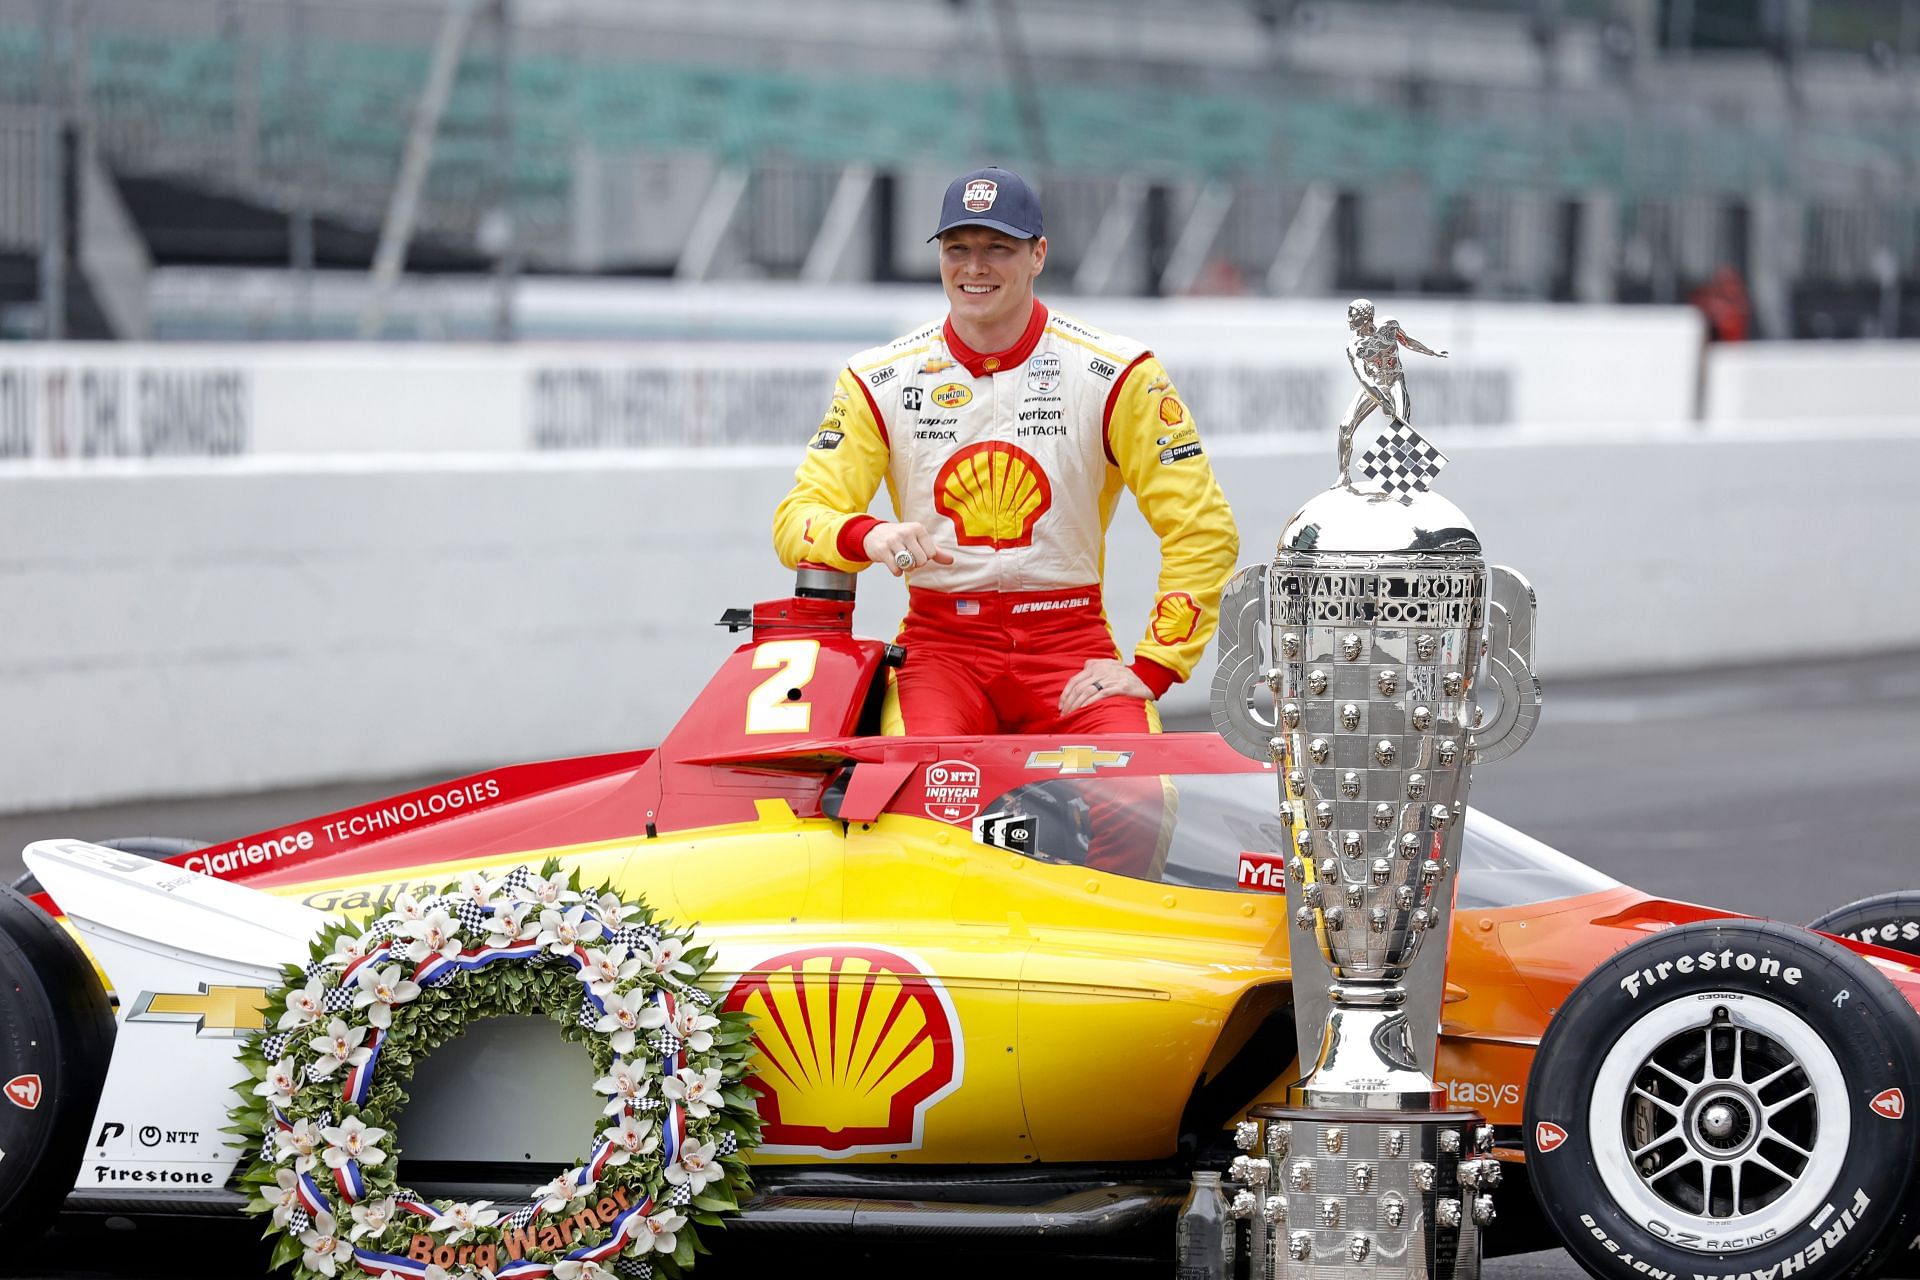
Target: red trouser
996, 663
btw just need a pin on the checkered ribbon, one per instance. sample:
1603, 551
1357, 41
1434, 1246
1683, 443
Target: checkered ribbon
276, 1044
631, 936
472, 917
298, 1221
636, 1268
665, 1043
316, 969
338, 999
382, 929
519, 1218
516, 879
680, 1195
590, 1012
1401, 460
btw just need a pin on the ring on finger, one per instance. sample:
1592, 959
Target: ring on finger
903, 559
1098, 687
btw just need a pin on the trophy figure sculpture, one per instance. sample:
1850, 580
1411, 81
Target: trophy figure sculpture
1351, 662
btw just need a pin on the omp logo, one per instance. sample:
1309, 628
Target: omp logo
1475, 1093
1890, 1103
215, 1012
1102, 369
1709, 962
1266, 872
1548, 1135
24, 1092
853, 1046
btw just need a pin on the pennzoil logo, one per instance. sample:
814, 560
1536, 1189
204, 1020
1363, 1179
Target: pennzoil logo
1078, 759
994, 493
852, 1047
216, 1013
951, 395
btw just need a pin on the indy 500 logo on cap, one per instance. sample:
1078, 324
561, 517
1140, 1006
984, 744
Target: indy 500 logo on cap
981, 193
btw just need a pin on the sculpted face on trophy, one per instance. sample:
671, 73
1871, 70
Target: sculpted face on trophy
1352, 663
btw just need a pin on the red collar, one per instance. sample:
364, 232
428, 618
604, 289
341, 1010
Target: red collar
981, 365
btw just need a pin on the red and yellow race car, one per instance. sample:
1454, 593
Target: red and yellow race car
978, 1014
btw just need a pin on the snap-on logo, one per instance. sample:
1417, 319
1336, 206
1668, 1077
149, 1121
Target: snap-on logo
1548, 1135
24, 1092
1890, 1103
1709, 962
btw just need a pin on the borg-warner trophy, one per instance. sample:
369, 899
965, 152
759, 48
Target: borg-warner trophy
1351, 662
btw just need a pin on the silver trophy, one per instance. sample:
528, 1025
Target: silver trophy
1352, 662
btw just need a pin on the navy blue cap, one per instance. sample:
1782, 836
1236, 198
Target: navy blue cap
991, 197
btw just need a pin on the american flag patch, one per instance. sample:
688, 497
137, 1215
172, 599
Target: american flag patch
966, 606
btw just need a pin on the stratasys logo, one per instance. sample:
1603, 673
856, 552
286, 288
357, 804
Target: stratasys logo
1480, 1093
853, 1046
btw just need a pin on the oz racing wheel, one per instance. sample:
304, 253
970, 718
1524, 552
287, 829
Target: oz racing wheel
1728, 1099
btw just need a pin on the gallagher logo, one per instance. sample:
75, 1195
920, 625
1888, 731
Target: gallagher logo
994, 493
852, 1047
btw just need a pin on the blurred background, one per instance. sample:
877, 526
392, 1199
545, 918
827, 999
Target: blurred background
400, 385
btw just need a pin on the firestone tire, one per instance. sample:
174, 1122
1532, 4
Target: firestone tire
1886, 920
56, 1035
1728, 1100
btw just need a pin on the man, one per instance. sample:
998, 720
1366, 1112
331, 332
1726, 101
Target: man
1374, 357
1005, 435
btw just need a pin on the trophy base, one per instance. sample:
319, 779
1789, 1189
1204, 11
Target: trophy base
1365, 1194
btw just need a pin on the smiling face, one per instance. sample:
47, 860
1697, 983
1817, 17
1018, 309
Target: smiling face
989, 277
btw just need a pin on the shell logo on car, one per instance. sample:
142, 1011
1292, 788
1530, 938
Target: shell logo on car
853, 1046
994, 493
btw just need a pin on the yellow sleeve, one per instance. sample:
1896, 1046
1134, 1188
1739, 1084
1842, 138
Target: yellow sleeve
844, 464
1154, 443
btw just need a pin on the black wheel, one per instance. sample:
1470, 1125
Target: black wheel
159, 848
1728, 1099
1886, 920
56, 1034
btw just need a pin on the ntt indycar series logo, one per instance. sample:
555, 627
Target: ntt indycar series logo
381, 819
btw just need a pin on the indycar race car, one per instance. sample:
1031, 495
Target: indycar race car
1010, 987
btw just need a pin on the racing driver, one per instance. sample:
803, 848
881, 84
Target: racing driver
1005, 434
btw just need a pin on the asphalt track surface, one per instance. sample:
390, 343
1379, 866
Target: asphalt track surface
1776, 791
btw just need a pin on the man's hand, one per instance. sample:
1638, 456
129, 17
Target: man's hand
1101, 678
902, 546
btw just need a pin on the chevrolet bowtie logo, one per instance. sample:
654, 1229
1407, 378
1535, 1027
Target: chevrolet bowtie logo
1077, 759
216, 1012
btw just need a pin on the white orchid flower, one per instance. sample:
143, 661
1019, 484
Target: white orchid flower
300, 1142
697, 1091
656, 1233
665, 957
628, 1082
353, 1139
407, 909
477, 889
694, 1025
626, 1014
286, 1200
348, 948
433, 934
561, 931
280, 1085
543, 892
373, 1217
304, 1006
459, 1220
382, 989
612, 911
511, 922
604, 972
339, 1047
579, 1269
324, 1249
630, 1138
562, 1191
695, 1166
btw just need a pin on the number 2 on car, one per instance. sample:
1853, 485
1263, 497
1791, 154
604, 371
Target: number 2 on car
774, 706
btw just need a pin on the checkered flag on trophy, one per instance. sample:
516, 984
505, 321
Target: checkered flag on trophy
1401, 460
